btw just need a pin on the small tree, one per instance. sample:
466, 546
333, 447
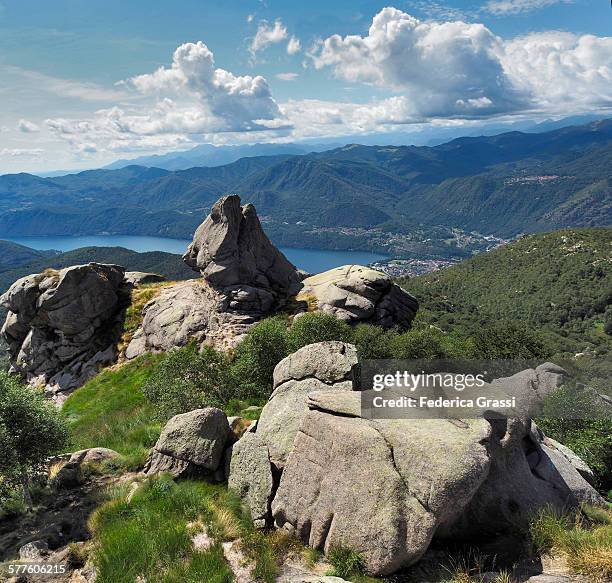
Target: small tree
31, 430
265, 345
189, 379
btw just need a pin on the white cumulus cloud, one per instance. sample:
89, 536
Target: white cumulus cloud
459, 69
294, 46
239, 102
562, 71
267, 35
442, 68
27, 127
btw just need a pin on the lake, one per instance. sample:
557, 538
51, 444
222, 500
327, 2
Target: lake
311, 260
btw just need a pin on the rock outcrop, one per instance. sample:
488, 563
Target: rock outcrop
355, 293
190, 444
138, 278
246, 278
322, 366
63, 325
258, 458
316, 468
232, 252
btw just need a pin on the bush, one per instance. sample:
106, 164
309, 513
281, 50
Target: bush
373, 341
317, 327
189, 379
265, 345
423, 343
509, 340
31, 430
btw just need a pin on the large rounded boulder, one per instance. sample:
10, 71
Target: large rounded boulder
191, 443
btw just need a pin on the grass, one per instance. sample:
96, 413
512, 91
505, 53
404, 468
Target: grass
150, 536
346, 562
110, 411
139, 298
583, 538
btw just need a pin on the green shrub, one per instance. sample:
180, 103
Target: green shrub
265, 345
31, 430
373, 342
189, 379
317, 327
421, 343
509, 340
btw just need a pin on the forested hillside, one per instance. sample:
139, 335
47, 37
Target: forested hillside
364, 197
558, 283
166, 264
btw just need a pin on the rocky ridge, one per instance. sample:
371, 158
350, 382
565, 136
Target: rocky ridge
63, 326
246, 278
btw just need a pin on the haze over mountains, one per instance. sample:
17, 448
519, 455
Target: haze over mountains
368, 197
209, 155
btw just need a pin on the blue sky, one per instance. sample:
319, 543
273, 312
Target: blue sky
85, 82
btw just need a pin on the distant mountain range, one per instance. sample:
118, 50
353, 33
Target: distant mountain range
368, 197
209, 155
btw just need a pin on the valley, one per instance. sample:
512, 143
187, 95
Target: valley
443, 202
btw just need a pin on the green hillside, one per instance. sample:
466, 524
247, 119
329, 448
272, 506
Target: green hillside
166, 264
354, 197
558, 283
13, 255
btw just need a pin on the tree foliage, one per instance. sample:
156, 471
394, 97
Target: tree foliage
189, 379
31, 430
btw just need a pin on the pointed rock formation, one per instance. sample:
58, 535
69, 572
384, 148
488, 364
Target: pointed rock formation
232, 252
246, 278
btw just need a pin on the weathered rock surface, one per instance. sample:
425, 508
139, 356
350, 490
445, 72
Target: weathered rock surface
531, 386
192, 442
321, 366
386, 487
230, 249
380, 487
189, 310
136, 278
525, 474
251, 476
355, 293
62, 325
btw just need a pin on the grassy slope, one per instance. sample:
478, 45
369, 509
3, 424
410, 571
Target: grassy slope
110, 411
559, 283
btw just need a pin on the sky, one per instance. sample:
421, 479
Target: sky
87, 82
